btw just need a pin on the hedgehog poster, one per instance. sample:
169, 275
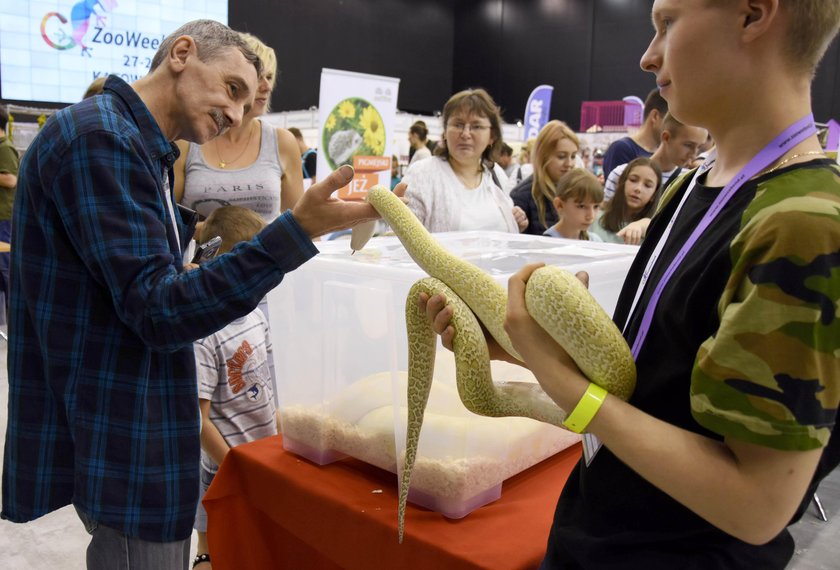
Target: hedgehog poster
357, 115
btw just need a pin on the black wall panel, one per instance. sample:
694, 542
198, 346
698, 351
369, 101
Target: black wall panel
825, 91
511, 47
477, 47
621, 33
586, 49
414, 44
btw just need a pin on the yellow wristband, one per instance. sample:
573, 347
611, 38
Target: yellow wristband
586, 409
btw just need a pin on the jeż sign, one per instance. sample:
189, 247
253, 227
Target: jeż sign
366, 176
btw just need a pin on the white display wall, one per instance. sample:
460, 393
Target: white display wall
307, 122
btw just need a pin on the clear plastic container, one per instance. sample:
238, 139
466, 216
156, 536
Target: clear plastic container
340, 350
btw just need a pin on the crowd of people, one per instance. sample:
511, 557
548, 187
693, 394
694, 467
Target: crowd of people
119, 398
473, 182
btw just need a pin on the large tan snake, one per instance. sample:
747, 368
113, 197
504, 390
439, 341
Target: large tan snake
555, 298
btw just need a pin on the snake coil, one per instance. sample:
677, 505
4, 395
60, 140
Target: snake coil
554, 297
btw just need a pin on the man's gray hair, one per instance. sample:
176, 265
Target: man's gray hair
211, 39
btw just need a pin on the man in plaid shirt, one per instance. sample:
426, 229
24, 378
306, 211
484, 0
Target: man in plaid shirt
102, 389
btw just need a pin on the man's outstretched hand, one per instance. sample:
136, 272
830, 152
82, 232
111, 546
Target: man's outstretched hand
319, 213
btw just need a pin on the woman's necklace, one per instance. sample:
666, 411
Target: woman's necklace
222, 162
470, 183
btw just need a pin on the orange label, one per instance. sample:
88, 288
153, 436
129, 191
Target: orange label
359, 186
371, 163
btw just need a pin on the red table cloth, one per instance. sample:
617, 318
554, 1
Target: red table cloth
270, 509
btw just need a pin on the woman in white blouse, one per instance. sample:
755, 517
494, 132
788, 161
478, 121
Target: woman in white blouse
456, 190
417, 138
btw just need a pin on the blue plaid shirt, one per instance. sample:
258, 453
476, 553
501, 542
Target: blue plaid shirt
103, 405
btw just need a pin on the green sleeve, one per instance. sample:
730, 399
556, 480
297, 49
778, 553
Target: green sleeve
9, 160
771, 374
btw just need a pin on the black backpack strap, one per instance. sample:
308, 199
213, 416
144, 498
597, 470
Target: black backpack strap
495, 177
303, 162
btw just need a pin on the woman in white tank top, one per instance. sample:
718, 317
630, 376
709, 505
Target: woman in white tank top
254, 165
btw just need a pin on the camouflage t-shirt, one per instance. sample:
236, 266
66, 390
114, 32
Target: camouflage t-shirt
744, 342
771, 373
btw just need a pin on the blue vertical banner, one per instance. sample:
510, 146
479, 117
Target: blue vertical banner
537, 109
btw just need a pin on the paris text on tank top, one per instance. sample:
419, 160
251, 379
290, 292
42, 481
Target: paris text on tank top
256, 187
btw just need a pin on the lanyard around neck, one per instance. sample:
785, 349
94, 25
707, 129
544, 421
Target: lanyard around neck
167, 194
789, 138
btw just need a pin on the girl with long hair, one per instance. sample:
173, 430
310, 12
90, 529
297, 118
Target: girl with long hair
635, 200
553, 156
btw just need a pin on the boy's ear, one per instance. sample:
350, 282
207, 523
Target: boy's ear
759, 15
558, 203
655, 116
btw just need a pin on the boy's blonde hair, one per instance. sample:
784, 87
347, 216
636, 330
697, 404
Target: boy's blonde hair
234, 224
581, 185
544, 147
812, 26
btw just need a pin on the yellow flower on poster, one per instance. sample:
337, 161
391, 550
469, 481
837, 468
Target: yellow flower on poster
374, 136
347, 109
353, 127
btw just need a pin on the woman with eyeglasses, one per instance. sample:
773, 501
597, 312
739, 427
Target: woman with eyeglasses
457, 189
553, 156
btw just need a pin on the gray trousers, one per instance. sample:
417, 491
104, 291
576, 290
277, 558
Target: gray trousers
110, 549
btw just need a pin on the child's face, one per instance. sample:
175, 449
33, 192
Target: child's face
639, 188
576, 214
688, 54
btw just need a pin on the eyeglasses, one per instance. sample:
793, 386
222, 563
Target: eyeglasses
472, 128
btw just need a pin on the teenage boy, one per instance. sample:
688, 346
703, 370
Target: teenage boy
644, 141
734, 328
676, 150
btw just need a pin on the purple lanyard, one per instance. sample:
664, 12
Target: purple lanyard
790, 137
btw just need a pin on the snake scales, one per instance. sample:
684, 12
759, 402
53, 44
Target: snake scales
555, 298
